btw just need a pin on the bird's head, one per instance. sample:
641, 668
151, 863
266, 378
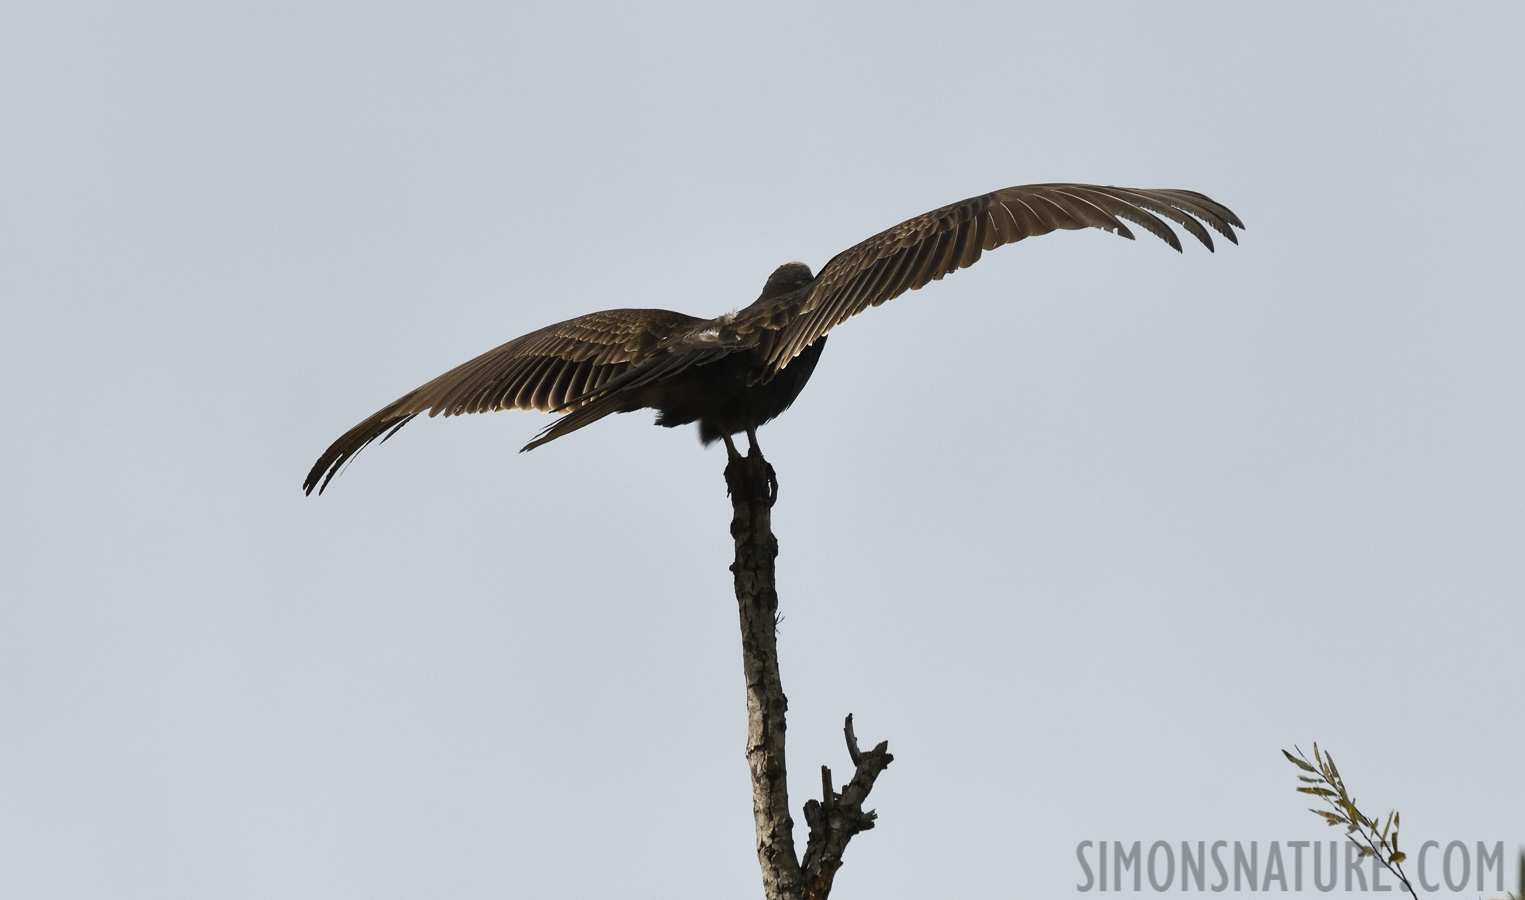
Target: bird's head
785, 279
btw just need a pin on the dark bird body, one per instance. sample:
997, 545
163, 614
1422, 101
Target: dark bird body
733, 373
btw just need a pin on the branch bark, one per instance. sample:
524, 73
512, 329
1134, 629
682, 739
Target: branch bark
834, 819
837, 817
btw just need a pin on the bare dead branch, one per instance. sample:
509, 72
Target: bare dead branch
835, 818
750, 481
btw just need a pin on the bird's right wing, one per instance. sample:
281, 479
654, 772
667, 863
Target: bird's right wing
543, 370
945, 240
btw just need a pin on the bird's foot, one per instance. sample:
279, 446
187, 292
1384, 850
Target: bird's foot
760, 465
755, 459
751, 477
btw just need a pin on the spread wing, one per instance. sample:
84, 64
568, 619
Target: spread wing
544, 370
945, 240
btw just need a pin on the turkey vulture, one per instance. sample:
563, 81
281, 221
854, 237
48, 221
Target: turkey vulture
735, 372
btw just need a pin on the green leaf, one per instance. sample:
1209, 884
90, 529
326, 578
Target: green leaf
1297, 762
1396, 858
1316, 791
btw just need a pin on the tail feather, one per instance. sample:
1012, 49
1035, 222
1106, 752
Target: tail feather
581, 417
619, 394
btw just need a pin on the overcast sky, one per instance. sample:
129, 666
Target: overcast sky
1088, 532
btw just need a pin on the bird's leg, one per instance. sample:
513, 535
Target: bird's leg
730, 447
754, 450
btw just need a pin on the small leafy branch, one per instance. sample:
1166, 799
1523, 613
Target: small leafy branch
1324, 781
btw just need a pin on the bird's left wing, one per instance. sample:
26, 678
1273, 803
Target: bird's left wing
545, 370
945, 240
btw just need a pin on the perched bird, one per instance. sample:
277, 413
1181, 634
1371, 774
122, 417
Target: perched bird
735, 372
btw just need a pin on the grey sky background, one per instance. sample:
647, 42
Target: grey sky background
1089, 532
